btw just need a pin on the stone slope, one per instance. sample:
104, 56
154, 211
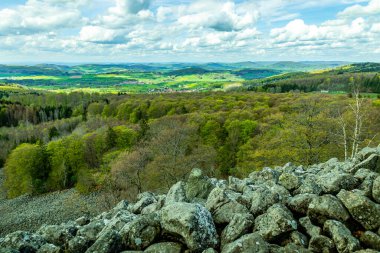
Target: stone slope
329, 207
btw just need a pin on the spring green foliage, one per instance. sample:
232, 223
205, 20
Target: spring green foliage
26, 170
133, 143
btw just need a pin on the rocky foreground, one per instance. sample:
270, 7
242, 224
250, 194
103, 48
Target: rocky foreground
329, 207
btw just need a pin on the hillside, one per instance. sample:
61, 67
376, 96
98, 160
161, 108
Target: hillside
327, 207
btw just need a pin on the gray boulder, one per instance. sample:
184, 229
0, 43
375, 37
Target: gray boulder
143, 200
141, 232
362, 209
223, 206
327, 207
176, 193
78, 244
289, 181
266, 174
371, 240
309, 185
309, 227
49, 248
250, 243
57, 234
341, 235
261, 199
300, 203
91, 230
376, 189
192, 222
198, 185
108, 242
334, 181
321, 243
167, 247
23, 241
275, 222
239, 225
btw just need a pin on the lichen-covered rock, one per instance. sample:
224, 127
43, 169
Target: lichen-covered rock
309, 185
266, 174
198, 185
341, 235
78, 244
261, 199
239, 225
7, 250
210, 250
248, 243
321, 243
334, 181
371, 240
376, 189
81, 221
23, 241
309, 227
327, 207
92, 229
276, 221
192, 222
49, 248
298, 238
223, 206
176, 193
141, 232
289, 181
154, 207
167, 247
108, 242
143, 200
56, 234
300, 203
362, 209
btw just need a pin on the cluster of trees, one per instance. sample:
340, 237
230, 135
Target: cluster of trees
131, 143
306, 82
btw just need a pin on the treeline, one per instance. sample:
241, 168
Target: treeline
369, 83
132, 143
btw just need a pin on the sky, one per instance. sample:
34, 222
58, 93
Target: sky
71, 31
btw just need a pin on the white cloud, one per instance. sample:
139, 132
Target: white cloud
99, 34
373, 8
40, 16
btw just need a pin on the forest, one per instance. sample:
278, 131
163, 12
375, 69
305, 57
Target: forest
124, 144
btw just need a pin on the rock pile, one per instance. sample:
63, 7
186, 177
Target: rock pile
329, 207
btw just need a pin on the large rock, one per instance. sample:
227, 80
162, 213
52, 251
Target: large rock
92, 229
309, 185
362, 209
141, 232
327, 207
321, 243
176, 193
23, 241
334, 181
300, 203
223, 206
275, 222
49, 248
266, 174
376, 189
250, 243
192, 222
239, 225
371, 240
78, 244
143, 200
289, 181
108, 242
167, 247
57, 234
261, 199
341, 235
309, 227
198, 185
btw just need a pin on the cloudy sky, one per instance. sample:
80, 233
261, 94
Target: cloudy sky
34, 31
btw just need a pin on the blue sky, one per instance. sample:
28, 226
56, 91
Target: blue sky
35, 31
